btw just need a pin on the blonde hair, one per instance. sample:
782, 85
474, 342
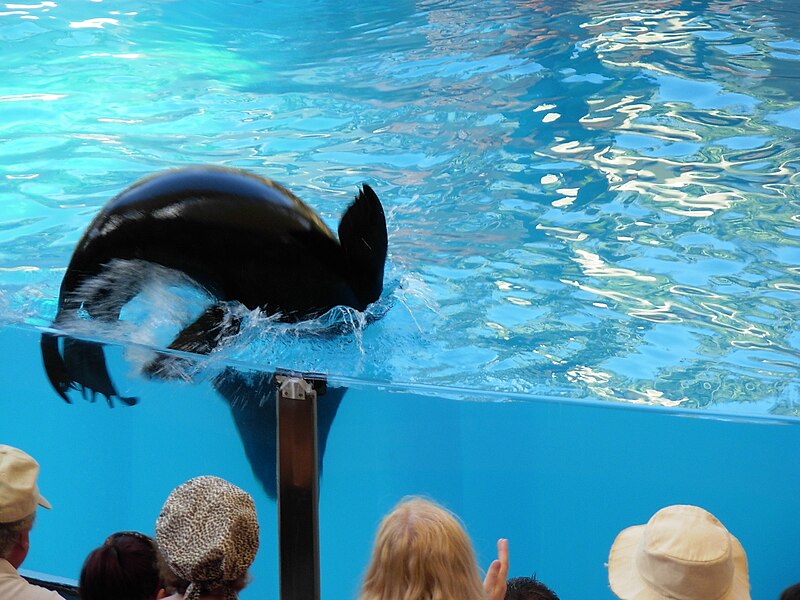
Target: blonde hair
422, 552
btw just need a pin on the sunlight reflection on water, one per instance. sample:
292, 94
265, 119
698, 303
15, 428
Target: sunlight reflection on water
570, 186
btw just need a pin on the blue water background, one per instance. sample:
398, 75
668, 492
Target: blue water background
558, 478
594, 199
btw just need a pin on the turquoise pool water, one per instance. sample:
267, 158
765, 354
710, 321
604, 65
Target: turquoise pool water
592, 289
584, 198
559, 478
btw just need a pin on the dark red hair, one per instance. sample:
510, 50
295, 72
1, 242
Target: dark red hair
125, 567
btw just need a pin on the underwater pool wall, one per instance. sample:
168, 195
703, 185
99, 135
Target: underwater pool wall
559, 478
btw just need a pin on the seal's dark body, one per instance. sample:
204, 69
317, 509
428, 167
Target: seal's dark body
241, 237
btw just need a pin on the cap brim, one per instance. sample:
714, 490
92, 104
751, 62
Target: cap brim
627, 584
44, 503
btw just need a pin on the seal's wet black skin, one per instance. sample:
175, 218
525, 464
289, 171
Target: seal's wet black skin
242, 237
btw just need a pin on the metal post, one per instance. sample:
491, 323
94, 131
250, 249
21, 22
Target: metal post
298, 486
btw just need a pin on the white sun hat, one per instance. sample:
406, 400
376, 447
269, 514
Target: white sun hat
682, 553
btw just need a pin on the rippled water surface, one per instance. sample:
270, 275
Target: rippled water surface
592, 198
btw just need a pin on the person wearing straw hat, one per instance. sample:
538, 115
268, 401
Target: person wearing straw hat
19, 498
682, 553
207, 534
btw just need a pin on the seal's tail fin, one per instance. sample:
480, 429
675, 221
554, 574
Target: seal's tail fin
363, 237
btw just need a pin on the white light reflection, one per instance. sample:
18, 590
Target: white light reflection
564, 234
131, 55
20, 269
571, 148
549, 179
121, 121
97, 23
633, 36
32, 97
593, 266
97, 137
587, 375
31, 6
658, 314
616, 297
652, 397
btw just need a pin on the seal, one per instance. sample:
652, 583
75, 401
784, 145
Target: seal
239, 236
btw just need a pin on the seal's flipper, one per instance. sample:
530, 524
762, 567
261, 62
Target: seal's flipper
251, 396
363, 237
201, 337
54, 366
85, 365
210, 328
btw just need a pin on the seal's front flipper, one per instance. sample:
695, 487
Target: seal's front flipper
85, 366
210, 328
201, 337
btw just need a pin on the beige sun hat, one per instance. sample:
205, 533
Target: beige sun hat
682, 553
19, 494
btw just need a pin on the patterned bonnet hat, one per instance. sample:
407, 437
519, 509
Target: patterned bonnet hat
207, 533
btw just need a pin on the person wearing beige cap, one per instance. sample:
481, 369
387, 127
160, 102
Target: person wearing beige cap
682, 553
19, 497
207, 534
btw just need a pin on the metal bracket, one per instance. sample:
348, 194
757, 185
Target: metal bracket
298, 484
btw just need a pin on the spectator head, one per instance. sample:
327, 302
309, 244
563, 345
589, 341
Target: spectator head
528, 588
207, 534
791, 593
421, 551
125, 567
682, 552
19, 494
19, 497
